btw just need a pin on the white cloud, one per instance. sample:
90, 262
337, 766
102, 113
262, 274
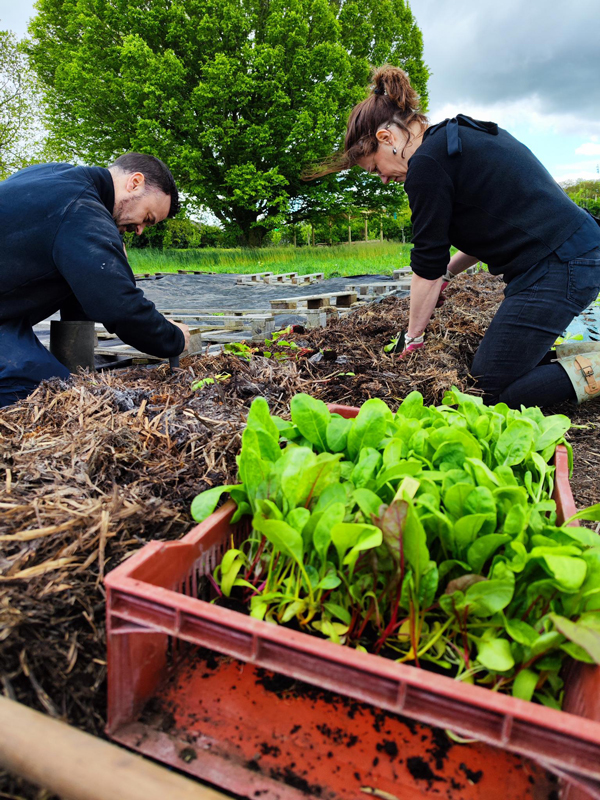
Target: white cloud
491, 52
526, 112
581, 175
588, 149
589, 166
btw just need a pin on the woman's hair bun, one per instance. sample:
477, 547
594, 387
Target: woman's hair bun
394, 82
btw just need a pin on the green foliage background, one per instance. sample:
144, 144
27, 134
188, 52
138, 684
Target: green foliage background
237, 96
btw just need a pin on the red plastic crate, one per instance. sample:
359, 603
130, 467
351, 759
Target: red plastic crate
157, 601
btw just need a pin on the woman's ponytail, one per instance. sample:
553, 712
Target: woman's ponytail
393, 83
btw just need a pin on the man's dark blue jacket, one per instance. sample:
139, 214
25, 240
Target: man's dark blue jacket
59, 242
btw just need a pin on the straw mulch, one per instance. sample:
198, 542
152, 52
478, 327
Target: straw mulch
94, 468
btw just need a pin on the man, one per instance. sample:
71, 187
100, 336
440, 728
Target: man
61, 248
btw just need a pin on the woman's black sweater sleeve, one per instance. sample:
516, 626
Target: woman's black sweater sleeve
431, 197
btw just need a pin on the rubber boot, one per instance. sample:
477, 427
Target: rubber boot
583, 370
575, 348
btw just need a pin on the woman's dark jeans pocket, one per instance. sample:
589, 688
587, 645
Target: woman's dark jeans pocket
584, 279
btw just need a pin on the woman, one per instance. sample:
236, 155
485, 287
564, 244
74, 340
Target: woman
472, 185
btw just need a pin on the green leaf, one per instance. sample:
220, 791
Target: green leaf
495, 655
368, 502
312, 418
242, 510
428, 585
412, 406
585, 632
414, 541
455, 496
481, 473
296, 475
591, 513
514, 443
521, 631
578, 653
568, 572
486, 598
205, 503
259, 418
297, 518
282, 536
337, 434
347, 535
338, 611
466, 530
524, 684
366, 467
369, 426
454, 397
552, 429
483, 548
401, 470
228, 576
332, 516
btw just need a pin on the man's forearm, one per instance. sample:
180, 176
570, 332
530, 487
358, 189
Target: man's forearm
460, 262
423, 297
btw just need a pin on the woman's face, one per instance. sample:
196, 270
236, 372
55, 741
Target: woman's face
390, 166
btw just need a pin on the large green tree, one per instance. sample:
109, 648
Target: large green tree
238, 96
18, 106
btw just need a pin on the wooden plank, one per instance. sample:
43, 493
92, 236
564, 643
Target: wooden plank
77, 766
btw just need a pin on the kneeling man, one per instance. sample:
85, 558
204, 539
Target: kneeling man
61, 248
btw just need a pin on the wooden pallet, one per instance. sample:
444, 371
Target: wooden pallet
258, 323
282, 277
379, 288
255, 277
139, 357
342, 300
403, 272
312, 277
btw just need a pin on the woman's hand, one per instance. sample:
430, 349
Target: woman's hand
423, 297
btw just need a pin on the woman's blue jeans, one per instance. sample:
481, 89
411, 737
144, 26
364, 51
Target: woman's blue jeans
512, 362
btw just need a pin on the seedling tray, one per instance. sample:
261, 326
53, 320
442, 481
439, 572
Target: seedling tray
157, 607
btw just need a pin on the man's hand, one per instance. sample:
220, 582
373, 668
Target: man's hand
185, 330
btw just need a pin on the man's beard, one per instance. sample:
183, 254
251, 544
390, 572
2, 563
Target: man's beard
124, 211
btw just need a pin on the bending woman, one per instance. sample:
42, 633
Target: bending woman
472, 185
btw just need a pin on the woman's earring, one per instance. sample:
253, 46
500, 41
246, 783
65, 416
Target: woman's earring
394, 151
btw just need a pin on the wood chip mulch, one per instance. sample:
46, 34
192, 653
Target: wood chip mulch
92, 469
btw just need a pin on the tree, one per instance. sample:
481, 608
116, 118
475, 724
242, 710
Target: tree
586, 194
17, 106
238, 96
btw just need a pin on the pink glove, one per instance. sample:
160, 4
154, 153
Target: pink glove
410, 348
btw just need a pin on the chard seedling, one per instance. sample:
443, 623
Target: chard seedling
429, 536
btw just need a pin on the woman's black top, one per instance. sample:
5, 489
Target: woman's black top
472, 185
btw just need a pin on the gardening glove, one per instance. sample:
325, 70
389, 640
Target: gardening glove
442, 299
406, 344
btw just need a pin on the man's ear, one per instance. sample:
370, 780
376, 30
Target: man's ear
385, 136
135, 180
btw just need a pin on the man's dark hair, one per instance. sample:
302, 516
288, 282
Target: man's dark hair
155, 172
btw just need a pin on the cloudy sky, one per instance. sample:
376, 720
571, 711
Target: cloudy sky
533, 66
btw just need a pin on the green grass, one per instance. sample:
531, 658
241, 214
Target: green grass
341, 260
